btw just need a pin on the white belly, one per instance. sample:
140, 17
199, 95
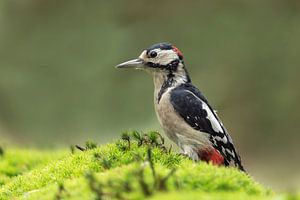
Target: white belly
176, 128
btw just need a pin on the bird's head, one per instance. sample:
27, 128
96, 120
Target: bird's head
163, 59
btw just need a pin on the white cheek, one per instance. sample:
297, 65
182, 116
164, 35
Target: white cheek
166, 56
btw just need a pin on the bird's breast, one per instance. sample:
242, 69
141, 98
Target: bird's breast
166, 115
174, 125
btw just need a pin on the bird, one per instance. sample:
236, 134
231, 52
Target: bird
183, 112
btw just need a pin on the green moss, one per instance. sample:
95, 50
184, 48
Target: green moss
121, 170
18, 161
192, 195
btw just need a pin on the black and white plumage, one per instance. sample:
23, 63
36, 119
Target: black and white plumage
193, 107
182, 110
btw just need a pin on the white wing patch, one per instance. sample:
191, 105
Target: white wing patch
210, 116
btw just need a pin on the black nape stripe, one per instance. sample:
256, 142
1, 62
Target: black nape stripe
168, 83
172, 66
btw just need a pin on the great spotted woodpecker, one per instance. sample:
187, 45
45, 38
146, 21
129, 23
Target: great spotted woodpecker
183, 112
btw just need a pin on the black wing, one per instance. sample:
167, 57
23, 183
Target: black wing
193, 107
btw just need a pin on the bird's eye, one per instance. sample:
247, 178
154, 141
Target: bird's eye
153, 54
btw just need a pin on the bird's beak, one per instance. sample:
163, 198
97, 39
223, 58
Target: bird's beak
135, 63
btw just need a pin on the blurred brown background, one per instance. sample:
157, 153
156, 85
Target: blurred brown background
58, 84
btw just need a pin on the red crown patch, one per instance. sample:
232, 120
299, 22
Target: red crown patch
177, 51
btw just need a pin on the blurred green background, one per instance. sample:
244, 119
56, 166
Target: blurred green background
58, 84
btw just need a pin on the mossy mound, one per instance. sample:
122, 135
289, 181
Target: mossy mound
126, 169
